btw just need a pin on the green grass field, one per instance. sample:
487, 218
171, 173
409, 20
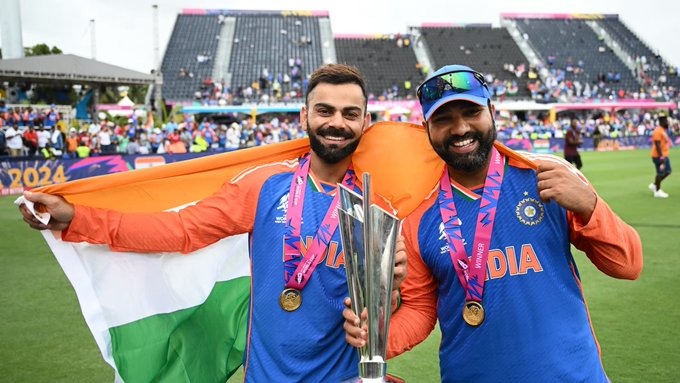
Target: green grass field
44, 338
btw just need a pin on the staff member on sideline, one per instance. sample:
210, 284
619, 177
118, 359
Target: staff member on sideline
660, 144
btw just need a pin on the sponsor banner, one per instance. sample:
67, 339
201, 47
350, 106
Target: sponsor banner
556, 145
16, 175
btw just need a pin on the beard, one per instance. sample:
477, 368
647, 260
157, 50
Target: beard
469, 162
332, 154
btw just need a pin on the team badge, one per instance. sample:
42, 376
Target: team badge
529, 211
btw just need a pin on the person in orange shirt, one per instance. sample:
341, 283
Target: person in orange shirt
31, 141
660, 143
72, 143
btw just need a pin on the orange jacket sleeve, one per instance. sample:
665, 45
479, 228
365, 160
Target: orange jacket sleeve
613, 246
416, 317
231, 210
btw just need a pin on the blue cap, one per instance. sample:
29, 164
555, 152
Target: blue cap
469, 85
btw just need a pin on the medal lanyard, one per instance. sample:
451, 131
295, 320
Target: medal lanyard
301, 269
472, 270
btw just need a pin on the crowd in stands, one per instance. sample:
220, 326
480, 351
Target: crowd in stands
267, 88
132, 137
545, 83
551, 83
30, 131
598, 125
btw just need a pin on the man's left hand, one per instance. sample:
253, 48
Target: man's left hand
565, 185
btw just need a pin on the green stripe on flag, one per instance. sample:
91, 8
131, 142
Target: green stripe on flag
189, 345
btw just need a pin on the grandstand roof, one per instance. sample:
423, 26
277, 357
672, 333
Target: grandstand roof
70, 69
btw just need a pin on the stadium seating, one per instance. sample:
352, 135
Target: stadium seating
636, 48
268, 41
565, 42
286, 46
481, 47
192, 36
387, 65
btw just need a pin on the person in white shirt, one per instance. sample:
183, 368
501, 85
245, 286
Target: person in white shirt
105, 143
43, 137
14, 142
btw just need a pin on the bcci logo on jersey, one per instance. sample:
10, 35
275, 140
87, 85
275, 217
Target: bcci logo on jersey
529, 211
283, 208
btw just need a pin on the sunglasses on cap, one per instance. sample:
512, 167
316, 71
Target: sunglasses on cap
464, 84
451, 83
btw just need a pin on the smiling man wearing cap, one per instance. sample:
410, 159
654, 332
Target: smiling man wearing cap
489, 253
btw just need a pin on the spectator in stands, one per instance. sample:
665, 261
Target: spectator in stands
72, 143
186, 134
155, 139
47, 152
105, 139
289, 339
43, 136
174, 145
14, 142
143, 141
51, 118
200, 144
83, 150
3, 141
597, 136
572, 141
233, 135
57, 141
31, 140
661, 141
132, 146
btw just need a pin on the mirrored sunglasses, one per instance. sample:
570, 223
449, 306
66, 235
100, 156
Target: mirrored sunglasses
467, 82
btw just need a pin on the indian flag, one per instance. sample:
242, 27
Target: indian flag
183, 318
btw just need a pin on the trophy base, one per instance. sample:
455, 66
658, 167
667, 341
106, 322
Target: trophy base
373, 372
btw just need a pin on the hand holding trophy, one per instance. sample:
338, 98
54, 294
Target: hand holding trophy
369, 236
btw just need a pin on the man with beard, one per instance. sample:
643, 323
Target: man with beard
288, 210
489, 251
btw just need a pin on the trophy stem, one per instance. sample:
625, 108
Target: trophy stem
369, 239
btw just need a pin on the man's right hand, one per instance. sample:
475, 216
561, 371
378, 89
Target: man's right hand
354, 335
60, 210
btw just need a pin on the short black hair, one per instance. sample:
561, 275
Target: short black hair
337, 74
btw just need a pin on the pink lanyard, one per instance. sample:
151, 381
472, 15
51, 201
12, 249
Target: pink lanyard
472, 270
303, 269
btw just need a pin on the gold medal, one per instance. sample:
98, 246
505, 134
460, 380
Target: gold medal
473, 313
290, 299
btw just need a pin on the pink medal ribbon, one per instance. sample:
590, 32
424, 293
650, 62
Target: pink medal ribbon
472, 270
298, 271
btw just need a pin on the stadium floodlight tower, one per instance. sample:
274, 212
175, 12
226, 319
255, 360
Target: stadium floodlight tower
158, 76
10, 24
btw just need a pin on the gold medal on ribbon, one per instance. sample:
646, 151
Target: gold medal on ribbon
473, 313
290, 299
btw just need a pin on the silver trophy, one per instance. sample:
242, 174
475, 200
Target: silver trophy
369, 236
